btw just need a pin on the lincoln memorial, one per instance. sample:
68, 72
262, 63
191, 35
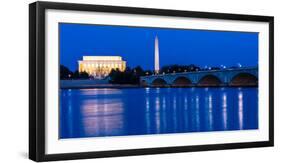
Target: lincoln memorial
100, 66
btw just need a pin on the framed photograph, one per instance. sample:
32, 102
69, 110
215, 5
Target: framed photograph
111, 81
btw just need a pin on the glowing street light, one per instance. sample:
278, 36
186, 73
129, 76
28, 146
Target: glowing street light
239, 65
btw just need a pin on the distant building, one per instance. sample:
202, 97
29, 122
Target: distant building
100, 66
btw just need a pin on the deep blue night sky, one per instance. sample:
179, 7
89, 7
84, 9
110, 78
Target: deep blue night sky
177, 46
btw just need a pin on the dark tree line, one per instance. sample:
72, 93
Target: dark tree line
132, 75
129, 76
179, 68
66, 74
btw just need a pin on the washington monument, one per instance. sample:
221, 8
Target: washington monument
156, 55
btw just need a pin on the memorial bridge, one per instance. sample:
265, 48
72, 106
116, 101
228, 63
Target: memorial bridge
244, 76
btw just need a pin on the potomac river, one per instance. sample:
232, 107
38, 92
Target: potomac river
138, 111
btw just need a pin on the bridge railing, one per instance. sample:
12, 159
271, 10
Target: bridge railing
204, 71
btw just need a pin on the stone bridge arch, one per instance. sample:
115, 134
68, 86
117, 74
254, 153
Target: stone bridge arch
209, 80
181, 81
159, 82
243, 79
232, 74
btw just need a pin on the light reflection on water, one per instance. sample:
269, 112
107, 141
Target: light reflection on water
224, 110
102, 118
240, 109
209, 112
117, 112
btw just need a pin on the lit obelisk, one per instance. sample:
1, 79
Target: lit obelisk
156, 55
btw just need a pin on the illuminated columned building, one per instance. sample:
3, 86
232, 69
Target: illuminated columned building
101, 66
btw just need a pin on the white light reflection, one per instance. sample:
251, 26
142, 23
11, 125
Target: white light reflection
192, 89
197, 113
210, 111
185, 103
147, 104
157, 114
147, 90
224, 110
240, 109
102, 117
157, 90
164, 120
147, 114
164, 103
174, 102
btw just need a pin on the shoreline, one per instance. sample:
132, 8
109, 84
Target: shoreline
91, 84
100, 86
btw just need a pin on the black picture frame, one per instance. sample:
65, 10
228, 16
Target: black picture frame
37, 80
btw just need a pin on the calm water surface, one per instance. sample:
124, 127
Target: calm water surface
117, 112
